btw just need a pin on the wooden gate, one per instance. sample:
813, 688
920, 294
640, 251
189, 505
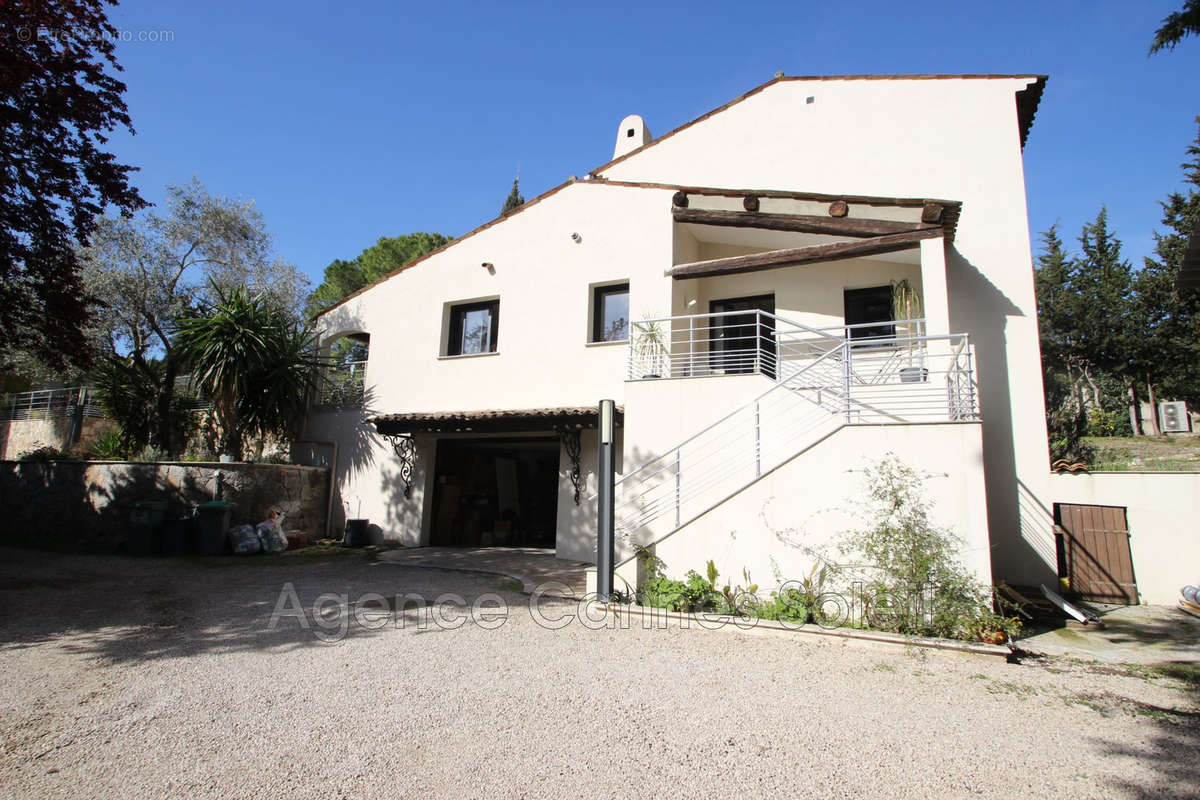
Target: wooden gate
1095, 552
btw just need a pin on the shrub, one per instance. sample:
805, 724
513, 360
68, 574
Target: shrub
151, 453
44, 452
1108, 423
918, 585
798, 601
109, 446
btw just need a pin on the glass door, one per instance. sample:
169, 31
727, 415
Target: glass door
743, 341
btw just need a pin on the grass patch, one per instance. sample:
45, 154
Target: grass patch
1186, 673
1108, 704
1145, 453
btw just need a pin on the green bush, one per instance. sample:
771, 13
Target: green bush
1108, 423
44, 452
109, 446
152, 454
918, 586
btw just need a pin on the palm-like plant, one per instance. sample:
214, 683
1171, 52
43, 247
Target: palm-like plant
254, 361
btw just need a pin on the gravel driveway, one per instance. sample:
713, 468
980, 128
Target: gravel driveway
161, 679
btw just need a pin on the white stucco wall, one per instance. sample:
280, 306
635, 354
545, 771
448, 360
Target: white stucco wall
542, 278
368, 482
1163, 513
955, 139
800, 511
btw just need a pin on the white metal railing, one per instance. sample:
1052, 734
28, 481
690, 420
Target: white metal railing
702, 345
49, 404
342, 385
820, 382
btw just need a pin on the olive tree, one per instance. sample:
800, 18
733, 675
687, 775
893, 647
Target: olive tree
150, 272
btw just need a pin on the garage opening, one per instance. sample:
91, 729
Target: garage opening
500, 492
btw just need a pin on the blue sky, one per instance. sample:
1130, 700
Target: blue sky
352, 120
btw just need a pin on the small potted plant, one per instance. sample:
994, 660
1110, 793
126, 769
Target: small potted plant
906, 310
650, 347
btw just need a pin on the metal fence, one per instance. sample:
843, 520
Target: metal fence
50, 404
342, 385
821, 381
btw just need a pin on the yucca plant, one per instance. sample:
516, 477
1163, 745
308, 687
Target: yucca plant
256, 363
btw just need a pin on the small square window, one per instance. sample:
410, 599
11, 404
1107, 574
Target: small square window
610, 313
473, 328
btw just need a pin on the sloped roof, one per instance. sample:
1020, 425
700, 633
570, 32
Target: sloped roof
1027, 102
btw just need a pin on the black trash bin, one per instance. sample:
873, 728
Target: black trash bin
176, 536
144, 521
212, 525
356, 532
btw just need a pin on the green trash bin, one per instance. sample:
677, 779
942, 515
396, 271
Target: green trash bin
141, 536
212, 526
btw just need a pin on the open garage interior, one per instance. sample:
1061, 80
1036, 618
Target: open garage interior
498, 492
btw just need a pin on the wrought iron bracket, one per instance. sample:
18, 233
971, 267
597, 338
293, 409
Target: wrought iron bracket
406, 450
571, 444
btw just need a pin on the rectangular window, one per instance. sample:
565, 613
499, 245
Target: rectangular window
473, 328
610, 313
872, 309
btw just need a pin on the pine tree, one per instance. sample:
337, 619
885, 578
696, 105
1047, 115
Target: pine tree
1055, 298
1057, 301
515, 198
1102, 280
1184, 22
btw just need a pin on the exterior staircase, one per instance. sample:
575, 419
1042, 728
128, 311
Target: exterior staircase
820, 382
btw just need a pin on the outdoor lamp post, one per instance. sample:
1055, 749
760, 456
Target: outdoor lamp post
605, 477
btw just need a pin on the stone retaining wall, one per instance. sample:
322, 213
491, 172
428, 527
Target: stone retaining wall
18, 436
87, 503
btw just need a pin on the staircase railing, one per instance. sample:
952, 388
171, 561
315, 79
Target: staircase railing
819, 384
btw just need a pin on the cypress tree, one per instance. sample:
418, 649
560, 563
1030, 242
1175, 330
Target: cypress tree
515, 198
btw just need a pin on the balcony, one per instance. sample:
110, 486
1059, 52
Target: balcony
889, 372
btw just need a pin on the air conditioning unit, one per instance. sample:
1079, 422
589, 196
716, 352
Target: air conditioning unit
1174, 417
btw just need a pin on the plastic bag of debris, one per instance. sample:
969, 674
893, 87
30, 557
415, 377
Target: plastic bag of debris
244, 540
270, 535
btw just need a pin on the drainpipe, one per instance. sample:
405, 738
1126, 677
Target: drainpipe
332, 480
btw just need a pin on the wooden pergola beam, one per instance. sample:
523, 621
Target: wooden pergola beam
797, 223
775, 259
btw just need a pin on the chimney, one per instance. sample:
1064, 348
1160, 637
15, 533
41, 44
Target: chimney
632, 134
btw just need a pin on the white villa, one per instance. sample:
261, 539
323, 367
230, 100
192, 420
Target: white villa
776, 295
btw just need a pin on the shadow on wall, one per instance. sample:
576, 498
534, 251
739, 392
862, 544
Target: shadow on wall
402, 488
982, 310
356, 442
75, 510
86, 505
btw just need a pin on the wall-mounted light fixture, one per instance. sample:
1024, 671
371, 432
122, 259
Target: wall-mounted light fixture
576, 238
489, 266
